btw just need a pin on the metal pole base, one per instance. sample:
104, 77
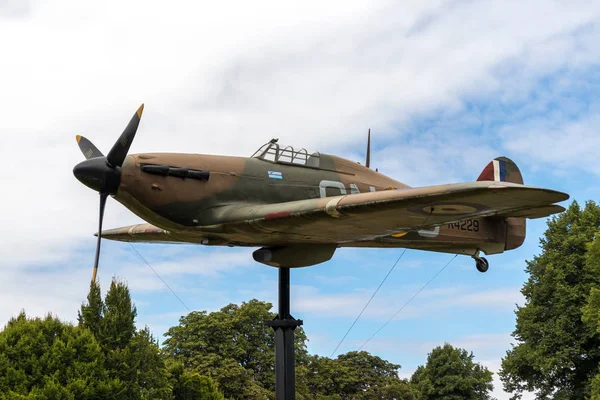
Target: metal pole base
284, 325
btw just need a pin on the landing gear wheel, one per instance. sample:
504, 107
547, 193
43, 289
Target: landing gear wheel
482, 264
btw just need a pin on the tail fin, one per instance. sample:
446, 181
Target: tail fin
503, 169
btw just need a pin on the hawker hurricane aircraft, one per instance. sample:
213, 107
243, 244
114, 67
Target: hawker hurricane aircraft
299, 207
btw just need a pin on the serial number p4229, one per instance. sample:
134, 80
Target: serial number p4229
471, 225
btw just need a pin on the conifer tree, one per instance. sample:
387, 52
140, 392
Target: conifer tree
131, 356
90, 315
49, 359
119, 316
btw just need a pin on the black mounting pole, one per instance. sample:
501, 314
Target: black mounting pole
284, 325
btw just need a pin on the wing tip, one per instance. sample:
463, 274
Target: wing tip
78, 138
140, 110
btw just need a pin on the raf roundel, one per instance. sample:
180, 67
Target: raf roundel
448, 208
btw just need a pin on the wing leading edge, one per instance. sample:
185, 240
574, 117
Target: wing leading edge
140, 233
365, 216
359, 217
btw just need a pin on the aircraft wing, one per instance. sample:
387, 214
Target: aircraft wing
365, 216
140, 233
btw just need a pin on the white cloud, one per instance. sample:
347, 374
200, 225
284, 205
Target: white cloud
44, 290
552, 141
14, 8
335, 280
391, 299
323, 73
498, 392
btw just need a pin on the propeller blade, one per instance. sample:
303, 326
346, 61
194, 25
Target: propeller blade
103, 197
117, 154
87, 148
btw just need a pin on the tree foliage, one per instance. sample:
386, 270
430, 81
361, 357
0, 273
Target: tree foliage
558, 353
233, 346
354, 375
189, 385
224, 354
46, 358
131, 356
591, 311
451, 374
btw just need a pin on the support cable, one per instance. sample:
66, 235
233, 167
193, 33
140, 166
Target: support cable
159, 277
408, 302
368, 302
376, 290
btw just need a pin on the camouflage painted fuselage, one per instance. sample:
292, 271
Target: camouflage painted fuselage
194, 210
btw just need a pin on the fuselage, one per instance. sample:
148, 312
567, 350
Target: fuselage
237, 180
185, 206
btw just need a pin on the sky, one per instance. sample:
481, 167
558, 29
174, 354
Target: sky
444, 86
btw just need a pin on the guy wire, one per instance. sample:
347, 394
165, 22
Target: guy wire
368, 302
159, 277
379, 287
408, 302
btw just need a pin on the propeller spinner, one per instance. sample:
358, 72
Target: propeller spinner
103, 174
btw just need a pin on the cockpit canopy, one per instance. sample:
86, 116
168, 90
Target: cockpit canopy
273, 152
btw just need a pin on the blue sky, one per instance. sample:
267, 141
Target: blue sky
445, 87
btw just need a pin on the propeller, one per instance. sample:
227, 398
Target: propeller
103, 174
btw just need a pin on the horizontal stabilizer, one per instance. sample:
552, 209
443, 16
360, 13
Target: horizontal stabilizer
538, 212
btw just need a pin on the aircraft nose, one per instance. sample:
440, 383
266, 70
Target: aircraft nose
96, 174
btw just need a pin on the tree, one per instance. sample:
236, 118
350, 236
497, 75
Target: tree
130, 356
233, 346
399, 389
46, 358
354, 375
90, 315
191, 385
324, 377
557, 354
591, 311
367, 372
119, 316
450, 373
591, 316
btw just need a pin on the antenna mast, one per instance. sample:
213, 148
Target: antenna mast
368, 163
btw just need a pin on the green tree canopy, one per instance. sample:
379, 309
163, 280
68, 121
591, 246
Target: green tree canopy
191, 385
591, 311
104, 357
46, 358
354, 375
451, 374
233, 346
131, 356
557, 353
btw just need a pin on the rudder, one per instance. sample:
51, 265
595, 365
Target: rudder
503, 169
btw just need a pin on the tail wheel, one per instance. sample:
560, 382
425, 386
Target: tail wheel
482, 264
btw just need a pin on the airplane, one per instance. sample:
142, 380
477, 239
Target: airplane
299, 207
